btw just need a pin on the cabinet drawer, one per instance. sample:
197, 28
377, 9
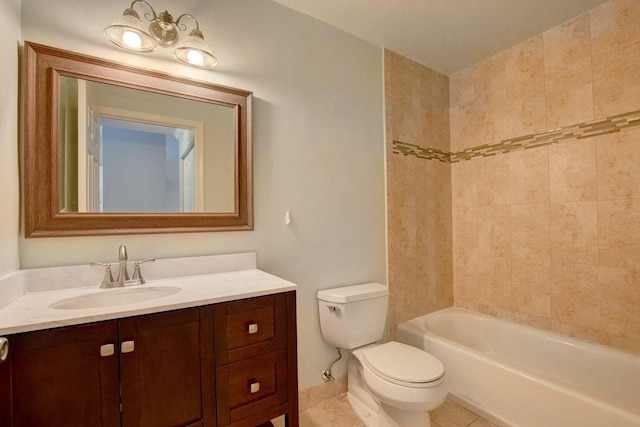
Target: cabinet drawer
251, 386
249, 328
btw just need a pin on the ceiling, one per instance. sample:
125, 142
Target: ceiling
445, 35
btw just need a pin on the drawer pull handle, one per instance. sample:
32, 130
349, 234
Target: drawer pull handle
255, 387
127, 346
252, 328
107, 350
4, 349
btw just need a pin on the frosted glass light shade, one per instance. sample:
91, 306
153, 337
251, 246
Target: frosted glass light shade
129, 33
194, 51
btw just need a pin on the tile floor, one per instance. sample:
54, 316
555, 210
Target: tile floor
335, 412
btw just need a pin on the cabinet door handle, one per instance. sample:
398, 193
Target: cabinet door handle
254, 387
107, 350
127, 346
4, 349
252, 328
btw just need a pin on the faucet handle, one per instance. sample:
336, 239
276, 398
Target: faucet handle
107, 280
137, 274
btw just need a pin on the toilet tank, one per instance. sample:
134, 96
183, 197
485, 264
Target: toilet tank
353, 316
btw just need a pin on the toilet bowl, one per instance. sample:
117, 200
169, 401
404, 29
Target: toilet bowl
394, 384
389, 384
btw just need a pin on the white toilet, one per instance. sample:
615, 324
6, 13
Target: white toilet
390, 384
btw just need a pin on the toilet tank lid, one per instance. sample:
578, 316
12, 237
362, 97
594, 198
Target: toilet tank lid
353, 293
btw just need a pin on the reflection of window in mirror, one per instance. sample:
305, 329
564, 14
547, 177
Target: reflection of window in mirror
138, 153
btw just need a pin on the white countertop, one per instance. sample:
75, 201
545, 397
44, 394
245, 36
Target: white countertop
31, 311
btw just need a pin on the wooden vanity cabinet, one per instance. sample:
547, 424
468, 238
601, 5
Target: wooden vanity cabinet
150, 366
166, 378
256, 361
179, 368
58, 378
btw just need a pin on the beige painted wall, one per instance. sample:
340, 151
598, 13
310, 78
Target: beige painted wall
318, 147
418, 191
9, 183
551, 236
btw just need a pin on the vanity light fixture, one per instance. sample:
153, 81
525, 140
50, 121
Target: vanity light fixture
129, 32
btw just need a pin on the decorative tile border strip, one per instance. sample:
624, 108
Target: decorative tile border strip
400, 147
567, 133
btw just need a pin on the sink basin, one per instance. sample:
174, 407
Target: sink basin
113, 297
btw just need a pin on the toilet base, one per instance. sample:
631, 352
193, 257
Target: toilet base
371, 412
387, 417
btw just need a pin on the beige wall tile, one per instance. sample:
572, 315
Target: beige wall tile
418, 191
402, 184
572, 172
494, 279
524, 62
531, 289
418, 99
619, 233
529, 172
493, 180
575, 295
465, 257
465, 230
620, 310
480, 121
494, 231
589, 334
627, 341
526, 109
524, 65
462, 128
569, 212
616, 53
530, 233
491, 118
461, 89
568, 77
464, 184
531, 320
574, 233
619, 165
490, 76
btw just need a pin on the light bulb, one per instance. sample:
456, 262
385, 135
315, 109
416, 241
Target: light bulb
132, 39
195, 57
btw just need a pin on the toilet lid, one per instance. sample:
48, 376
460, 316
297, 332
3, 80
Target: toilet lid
399, 362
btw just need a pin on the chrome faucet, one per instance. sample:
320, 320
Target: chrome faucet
123, 274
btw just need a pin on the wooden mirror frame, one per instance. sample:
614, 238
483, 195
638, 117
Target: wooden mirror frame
43, 67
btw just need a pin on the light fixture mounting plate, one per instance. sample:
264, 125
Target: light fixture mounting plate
165, 38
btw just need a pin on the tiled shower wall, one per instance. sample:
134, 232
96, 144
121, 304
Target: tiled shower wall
550, 236
531, 193
418, 191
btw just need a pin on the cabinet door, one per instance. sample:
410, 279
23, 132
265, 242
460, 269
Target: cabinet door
60, 378
164, 378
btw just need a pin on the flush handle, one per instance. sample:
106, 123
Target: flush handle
254, 387
332, 308
4, 349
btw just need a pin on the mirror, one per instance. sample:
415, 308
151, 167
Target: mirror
113, 149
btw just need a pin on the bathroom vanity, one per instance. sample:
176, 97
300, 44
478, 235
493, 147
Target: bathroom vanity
221, 351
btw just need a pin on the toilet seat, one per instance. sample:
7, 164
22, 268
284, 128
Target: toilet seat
404, 365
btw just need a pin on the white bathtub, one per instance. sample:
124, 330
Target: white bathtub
515, 375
